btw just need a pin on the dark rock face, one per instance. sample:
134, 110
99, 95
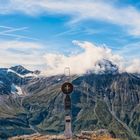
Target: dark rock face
99, 101
4, 82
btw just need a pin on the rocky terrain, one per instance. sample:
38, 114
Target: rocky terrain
39, 137
85, 135
31, 103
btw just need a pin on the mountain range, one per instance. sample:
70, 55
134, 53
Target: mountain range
33, 103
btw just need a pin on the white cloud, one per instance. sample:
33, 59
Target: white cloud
127, 17
82, 62
18, 45
29, 54
130, 51
87, 60
20, 52
134, 66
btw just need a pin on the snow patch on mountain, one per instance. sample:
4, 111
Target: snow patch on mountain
12, 71
31, 74
106, 66
1, 82
16, 89
19, 90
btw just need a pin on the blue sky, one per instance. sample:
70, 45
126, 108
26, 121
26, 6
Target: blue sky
31, 29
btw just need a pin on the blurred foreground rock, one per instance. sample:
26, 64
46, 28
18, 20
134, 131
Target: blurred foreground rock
84, 135
101, 134
39, 137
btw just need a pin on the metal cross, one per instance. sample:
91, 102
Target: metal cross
67, 87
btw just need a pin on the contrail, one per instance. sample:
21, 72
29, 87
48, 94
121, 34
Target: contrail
9, 32
19, 36
6, 27
13, 30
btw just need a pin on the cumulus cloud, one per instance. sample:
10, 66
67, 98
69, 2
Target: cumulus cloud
29, 54
127, 17
134, 66
82, 62
130, 50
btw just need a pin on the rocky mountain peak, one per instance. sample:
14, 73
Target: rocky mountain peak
21, 70
107, 66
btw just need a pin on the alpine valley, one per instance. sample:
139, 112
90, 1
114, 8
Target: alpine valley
33, 103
